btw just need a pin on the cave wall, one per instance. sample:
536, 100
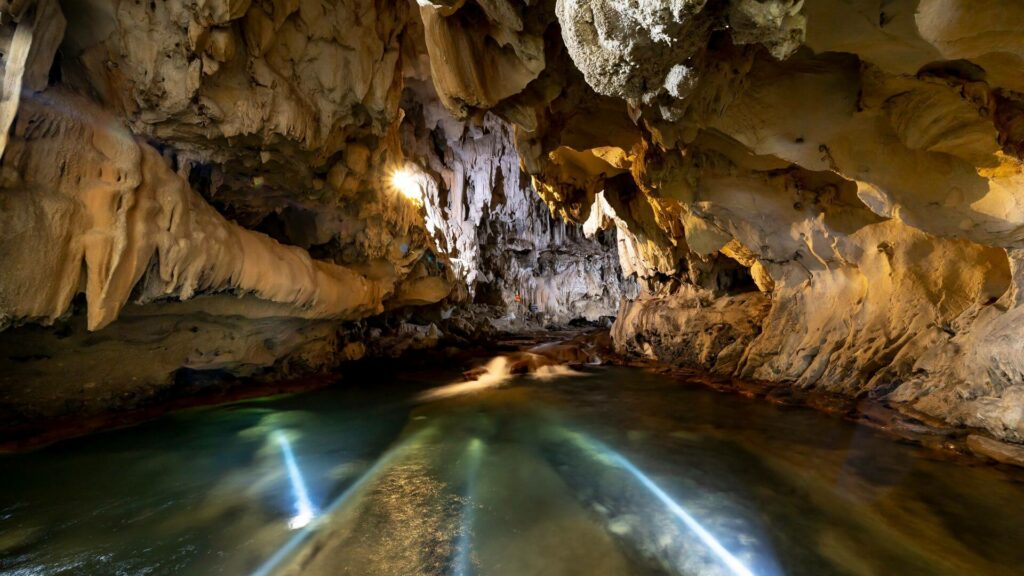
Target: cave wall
199, 191
503, 240
821, 193
860, 160
488, 220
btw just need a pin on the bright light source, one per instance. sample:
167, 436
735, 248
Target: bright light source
408, 184
300, 520
304, 511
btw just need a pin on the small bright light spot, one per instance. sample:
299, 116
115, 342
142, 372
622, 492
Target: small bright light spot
408, 184
301, 520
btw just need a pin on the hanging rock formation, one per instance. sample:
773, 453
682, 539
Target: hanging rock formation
827, 194
489, 222
199, 188
823, 193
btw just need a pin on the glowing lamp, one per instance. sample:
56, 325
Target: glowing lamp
407, 184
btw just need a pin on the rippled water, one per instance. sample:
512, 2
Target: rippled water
613, 471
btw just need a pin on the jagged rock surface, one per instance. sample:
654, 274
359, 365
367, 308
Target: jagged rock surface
824, 193
488, 221
858, 164
200, 187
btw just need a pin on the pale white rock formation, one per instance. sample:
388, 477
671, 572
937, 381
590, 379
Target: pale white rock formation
488, 221
641, 49
634, 49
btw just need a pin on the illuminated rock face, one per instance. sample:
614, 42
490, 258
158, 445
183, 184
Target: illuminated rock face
203, 186
824, 193
267, 111
114, 203
499, 236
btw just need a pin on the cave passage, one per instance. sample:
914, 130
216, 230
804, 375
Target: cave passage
512, 287
599, 470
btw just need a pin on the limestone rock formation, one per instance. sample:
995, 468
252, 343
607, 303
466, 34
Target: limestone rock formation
115, 204
500, 238
858, 164
826, 194
867, 181
196, 188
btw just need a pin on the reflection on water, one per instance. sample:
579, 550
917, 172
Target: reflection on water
554, 371
496, 373
612, 471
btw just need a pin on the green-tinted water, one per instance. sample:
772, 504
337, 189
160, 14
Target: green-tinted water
617, 471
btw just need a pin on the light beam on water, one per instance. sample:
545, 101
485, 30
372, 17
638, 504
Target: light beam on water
732, 562
463, 547
304, 510
297, 540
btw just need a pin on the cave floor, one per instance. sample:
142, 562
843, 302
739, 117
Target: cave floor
610, 470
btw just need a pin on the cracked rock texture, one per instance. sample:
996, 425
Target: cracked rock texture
822, 193
499, 236
866, 180
197, 191
827, 194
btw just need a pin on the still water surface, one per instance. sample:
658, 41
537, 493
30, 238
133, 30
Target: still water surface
611, 471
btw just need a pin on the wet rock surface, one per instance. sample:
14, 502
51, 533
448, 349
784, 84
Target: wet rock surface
1002, 452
